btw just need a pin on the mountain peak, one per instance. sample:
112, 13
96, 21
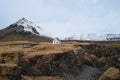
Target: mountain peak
32, 27
24, 22
24, 29
24, 19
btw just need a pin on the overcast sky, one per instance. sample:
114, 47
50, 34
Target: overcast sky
64, 17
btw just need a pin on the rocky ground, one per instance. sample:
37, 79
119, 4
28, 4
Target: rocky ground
65, 61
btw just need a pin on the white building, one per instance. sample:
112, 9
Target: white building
56, 41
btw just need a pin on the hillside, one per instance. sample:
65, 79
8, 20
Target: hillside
24, 30
65, 61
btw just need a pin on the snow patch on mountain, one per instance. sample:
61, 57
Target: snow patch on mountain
95, 37
33, 28
90, 36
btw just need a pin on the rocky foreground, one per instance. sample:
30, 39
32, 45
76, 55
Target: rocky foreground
65, 61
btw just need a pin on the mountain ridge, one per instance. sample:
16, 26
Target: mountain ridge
95, 37
28, 30
24, 30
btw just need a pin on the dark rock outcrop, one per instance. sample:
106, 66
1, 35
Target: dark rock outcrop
49, 65
93, 49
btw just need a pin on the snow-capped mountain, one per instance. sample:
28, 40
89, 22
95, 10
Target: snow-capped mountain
95, 37
24, 30
28, 30
32, 27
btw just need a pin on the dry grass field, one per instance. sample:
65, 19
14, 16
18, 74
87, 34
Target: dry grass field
41, 54
9, 43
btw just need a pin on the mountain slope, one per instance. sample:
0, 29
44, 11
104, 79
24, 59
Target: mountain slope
95, 37
24, 30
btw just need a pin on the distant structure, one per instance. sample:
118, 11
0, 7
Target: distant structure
56, 41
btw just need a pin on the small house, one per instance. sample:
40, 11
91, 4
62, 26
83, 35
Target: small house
56, 41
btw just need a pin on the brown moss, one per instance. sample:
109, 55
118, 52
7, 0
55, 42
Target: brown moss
9, 43
112, 74
112, 48
5, 69
41, 78
104, 60
48, 48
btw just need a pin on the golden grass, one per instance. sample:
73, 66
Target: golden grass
5, 69
43, 48
7, 65
110, 48
7, 49
49, 48
112, 73
10, 54
77, 43
41, 78
16, 43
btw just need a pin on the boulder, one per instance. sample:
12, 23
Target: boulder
111, 74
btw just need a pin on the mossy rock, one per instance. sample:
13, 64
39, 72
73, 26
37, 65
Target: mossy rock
111, 74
